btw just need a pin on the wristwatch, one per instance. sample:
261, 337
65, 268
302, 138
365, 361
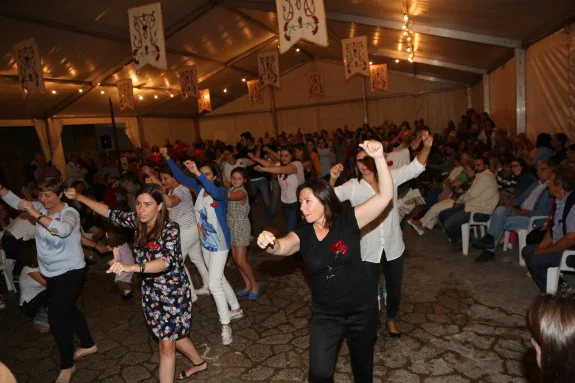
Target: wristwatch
40, 217
142, 268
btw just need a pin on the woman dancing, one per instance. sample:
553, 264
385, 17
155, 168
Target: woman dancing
343, 298
166, 297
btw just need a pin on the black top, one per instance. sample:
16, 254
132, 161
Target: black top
340, 283
252, 173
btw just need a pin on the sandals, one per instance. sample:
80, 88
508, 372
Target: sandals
392, 329
183, 375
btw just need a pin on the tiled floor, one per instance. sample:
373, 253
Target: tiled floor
463, 322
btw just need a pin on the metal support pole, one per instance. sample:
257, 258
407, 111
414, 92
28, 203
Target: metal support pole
469, 99
486, 94
197, 133
364, 97
140, 120
274, 111
520, 79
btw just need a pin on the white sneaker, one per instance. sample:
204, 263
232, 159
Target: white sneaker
227, 335
417, 229
203, 291
236, 314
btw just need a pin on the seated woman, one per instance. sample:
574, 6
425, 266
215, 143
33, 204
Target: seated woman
33, 294
343, 298
551, 322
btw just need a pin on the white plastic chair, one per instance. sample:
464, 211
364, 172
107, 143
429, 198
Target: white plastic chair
466, 228
553, 273
7, 267
522, 236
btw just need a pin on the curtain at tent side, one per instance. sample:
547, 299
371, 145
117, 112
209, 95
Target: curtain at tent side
571, 68
133, 131
55, 127
40, 126
548, 85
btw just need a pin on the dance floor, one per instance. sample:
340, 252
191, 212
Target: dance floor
462, 322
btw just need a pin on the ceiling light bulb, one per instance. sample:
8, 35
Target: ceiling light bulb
404, 27
409, 49
102, 92
297, 49
371, 63
410, 60
405, 17
171, 95
156, 97
141, 97
244, 79
53, 92
225, 90
396, 61
81, 90
408, 38
98, 84
405, 33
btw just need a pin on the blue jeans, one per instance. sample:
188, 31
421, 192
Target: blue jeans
537, 264
453, 218
291, 214
262, 188
504, 219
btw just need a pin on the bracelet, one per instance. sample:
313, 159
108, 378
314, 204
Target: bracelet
142, 267
40, 217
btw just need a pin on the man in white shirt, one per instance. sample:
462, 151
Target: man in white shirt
231, 162
482, 197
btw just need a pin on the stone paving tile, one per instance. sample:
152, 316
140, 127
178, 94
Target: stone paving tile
462, 322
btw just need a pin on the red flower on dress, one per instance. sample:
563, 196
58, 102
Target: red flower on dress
153, 246
339, 247
389, 163
214, 204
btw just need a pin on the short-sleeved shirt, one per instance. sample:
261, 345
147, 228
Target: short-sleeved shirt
339, 281
240, 163
290, 183
183, 213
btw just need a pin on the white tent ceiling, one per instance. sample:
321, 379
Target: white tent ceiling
84, 43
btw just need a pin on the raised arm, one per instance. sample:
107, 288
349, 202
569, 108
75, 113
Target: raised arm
239, 195
273, 155
284, 246
373, 207
427, 144
171, 200
182, 178
100, 208
334, 174
285, 169
217, 193
260, 161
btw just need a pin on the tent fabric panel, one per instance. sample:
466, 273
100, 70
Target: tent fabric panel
550, 88
477, 97
292, 120
503, 97
156, 130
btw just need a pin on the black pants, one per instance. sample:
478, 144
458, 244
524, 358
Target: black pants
64, 317
19, 250
393, 273
360, 330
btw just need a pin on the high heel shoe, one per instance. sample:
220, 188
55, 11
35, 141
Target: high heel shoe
392, 329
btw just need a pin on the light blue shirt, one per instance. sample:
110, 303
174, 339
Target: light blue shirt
59, 246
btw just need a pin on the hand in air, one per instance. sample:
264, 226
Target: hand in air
336, 171
192, 167
372, 148
28, 207
427, 139
71, 194
164, 152
266, 239
258, 168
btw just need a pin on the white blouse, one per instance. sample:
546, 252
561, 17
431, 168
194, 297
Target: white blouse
384, 232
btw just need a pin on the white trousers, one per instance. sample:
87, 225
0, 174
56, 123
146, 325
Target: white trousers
430, 218
190, 243
219, 287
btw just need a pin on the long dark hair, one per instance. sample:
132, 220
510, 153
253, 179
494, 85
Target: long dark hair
368, 161
141, 235
290, 150
324, 192
551, 322
216, 171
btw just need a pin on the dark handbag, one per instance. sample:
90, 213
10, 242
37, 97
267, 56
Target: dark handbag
31, 308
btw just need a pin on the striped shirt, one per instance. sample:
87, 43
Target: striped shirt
183, 213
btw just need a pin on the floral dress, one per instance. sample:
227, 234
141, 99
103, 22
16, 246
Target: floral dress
166, 297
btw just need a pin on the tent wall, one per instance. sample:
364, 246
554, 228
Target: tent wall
156, 130
551, 84
341, 105
503, 99
477, 99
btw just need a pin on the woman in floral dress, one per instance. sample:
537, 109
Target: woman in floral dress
166, 297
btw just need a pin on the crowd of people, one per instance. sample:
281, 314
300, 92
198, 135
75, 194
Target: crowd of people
344, 197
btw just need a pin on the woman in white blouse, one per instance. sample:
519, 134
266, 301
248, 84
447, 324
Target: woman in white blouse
382, 241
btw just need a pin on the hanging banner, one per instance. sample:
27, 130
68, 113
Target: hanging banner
126, 94
189, 81
299, 20
315, 83
255, 92
378, 77
204, 101
29, 65
355, 58
269, 69
147, 36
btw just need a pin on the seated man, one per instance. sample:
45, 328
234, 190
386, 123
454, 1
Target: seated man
482, 197
534, 201
561, 235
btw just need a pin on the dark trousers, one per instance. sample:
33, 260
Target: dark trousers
291, 213
19, 250
452, 219
537, 264
64, 317
393, 273
360, 330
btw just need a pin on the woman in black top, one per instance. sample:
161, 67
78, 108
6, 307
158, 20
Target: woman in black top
342, 297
